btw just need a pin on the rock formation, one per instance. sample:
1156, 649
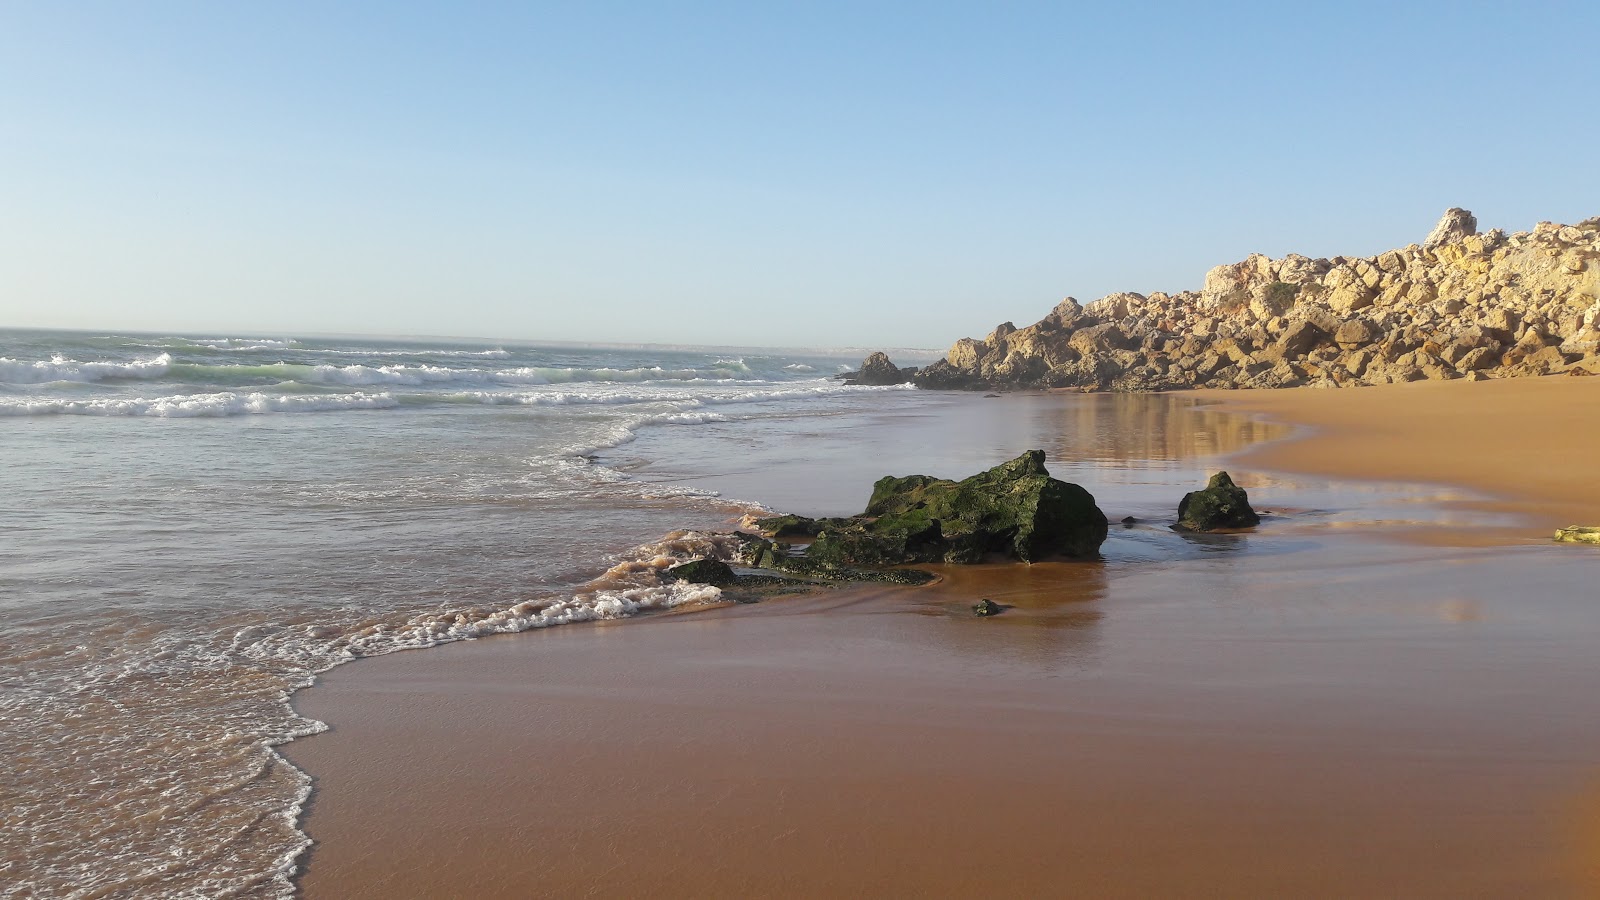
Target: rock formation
702, 571
877, 369
1578, 534
1015, 509
1461, 305
1222, 504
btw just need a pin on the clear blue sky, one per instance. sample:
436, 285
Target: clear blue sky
747, 173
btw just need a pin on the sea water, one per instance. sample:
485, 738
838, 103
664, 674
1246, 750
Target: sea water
194, 526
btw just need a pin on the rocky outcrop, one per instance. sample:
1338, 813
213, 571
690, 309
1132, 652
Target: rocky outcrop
878, 370
1015, 509
702, 571
1456, 224
1222, 505
1578, 534
1461, 305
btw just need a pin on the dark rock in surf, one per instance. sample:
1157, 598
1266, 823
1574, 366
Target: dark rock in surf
1015, 509
986, 608
1221, 505
703, 571
878, 370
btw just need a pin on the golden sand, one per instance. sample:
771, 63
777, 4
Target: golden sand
1272, 716
1529, 445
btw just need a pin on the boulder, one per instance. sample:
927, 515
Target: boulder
1579, 534
878, 370
1222, 504
1456, 224
1015, 509
788, 526
703, 571
942, 376
1355, 334
1299, 338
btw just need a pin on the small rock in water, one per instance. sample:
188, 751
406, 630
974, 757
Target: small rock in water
1579, 534
1222, 504
703, 571
1129, 521
986, 608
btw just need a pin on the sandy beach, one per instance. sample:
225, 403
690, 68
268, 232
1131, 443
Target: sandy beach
1305, 711
1523, 444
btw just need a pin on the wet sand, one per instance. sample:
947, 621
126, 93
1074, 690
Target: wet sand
1527, 444
1297, 712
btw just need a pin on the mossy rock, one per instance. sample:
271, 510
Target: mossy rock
1221, 505
788, 526
777, 557
1015, 508
703, 571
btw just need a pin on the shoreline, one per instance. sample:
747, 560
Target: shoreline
815, 743
1519, 444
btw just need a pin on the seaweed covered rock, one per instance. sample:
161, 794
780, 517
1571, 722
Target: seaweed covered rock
1015, 508
1222, 504
788, 526
986, 608
703, 571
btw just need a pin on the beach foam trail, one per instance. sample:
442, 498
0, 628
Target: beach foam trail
172, 787
187, 546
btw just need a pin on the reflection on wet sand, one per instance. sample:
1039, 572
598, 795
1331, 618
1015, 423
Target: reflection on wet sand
1048, 610
1144, 430
1301, 711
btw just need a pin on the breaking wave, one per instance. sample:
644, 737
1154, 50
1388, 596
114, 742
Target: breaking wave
225, 403
60, 368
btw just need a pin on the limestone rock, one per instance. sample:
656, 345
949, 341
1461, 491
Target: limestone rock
1579, 534
1463, 303
1355, 334
1222, 504
1456, 224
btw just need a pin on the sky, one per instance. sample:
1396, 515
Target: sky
769, 174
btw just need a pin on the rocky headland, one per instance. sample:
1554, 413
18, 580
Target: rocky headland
1462, 304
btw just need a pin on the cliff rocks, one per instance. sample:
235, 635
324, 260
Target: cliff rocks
1460, 305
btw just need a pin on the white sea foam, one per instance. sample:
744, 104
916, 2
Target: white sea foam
243, 344
612, 396
424, 374
225, 403
60, 368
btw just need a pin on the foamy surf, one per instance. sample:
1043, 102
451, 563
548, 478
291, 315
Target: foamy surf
204, 523
187, 406
60, 368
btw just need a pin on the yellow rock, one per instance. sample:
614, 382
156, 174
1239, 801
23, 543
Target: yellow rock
1579, 534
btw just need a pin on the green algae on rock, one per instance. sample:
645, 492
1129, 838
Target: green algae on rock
1222, 504
703, 571
1015, 509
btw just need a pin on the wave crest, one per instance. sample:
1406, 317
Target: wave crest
185, 406
60, 368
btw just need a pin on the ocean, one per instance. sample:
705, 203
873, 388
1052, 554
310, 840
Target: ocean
196, 526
